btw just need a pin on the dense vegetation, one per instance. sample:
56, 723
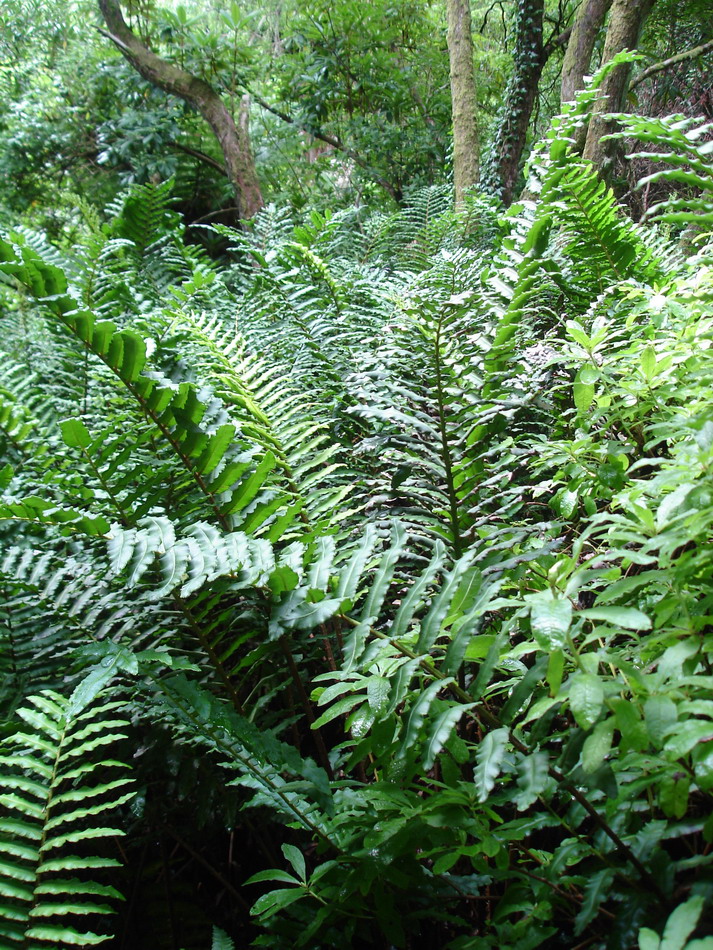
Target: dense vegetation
355, 582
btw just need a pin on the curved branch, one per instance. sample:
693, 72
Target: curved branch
233, 139
672, 61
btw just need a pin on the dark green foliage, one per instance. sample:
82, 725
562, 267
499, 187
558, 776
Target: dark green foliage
399, 540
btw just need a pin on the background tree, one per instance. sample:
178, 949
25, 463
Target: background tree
232, 136
464, 97
587, 24
626, 21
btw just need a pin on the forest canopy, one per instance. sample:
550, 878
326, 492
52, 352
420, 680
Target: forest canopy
356, 439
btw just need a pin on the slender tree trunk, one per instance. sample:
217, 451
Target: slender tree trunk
530, 57
626, 20
578, 55
463, 97
234, 139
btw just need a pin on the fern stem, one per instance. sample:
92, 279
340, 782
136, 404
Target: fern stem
445, 447
214, 658
307, 706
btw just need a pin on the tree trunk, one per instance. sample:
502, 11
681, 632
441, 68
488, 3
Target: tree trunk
463, 97
530, 57
626, 20
234, 139
578, 55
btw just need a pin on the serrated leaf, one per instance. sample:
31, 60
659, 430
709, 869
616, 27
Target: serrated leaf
597, 889
440, 732
532, 779
221, 941
488, 761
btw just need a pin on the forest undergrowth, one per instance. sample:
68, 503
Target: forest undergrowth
355, 587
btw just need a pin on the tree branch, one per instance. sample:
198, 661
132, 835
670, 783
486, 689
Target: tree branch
329, 140
672, 61
199, 94
201, 156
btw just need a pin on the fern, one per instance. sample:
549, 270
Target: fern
684, 144
53, 796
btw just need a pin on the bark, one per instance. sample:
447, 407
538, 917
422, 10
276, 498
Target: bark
463, 97
233, 139
578, 55
530, 57
626, 21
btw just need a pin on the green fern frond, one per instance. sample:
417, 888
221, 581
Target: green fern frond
684, 144
221, 941
192, 424
271, 411
54, 811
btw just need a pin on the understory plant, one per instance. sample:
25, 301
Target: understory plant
391, 544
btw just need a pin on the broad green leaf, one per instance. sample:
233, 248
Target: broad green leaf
550, 619
597, 745
660, 714
648, 939
586, 697
681, 924
296, 859
272, 874
583, 394
673, 794
687, 735
626, 617
269, 904
75, 434
648, 363
377, 694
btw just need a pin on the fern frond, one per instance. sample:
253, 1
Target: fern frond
684, 144
54, 817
